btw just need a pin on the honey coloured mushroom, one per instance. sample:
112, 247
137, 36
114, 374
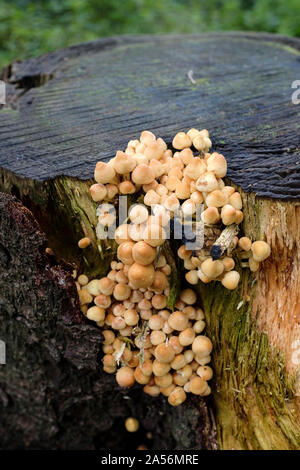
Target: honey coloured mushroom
163, 349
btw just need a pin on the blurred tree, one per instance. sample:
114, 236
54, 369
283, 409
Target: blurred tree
29, 27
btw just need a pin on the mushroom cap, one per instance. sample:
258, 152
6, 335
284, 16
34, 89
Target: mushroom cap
171, 203
151, 198
143, 253
216, 198
112, 190
164, 353
147, 137
210, 215
123, 163
199, 142
197, 197
230, 280
159, 301
172, 182
106, 286
261, 250
160, 368
138, 213
197, 385
212, 269
182, 190
98, 192
253, 265
181, 141
154, 150
188, 207
103, 301
142, 174
192, 133
196, 168
136, 231
153, 391
205, 372
131, 317
192, 277
178, 321
124, 252
177, 396
122, 233
141, 276
132, 424
154, 235
118, 323
218, 164
156, 322
95, 313
236, 201
164, 381
239, 216
125, 376
178, 362
228, 214
160, 282
229, 263
202, 345
104, 172
126, 187
157, 167
188, 296
186, 155
140, 377
207, 182
245, 243
174, 342
157, 337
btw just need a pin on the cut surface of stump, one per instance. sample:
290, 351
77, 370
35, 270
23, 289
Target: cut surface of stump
67, 110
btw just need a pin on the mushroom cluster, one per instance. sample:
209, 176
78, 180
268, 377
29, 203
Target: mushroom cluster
144, 340
180, 180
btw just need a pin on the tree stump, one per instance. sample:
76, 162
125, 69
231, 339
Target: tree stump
69, 109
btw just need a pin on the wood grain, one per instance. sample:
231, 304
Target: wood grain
94, 97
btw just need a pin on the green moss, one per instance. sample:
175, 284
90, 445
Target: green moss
175, 277
76, 215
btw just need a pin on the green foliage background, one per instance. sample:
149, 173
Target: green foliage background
29, 28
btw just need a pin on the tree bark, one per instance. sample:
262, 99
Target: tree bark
84, 104
54, 394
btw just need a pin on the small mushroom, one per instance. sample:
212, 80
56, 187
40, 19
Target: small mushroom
142, 174
261, 250
181, 141
98, 192
140, 275
123, 163
230, 280
217, 163
104, 173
